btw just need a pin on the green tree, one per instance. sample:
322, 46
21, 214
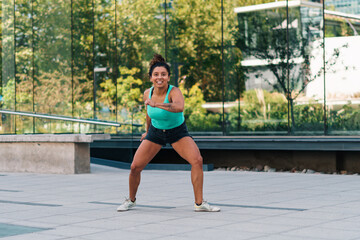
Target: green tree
197, 119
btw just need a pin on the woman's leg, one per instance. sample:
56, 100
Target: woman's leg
187, 149
145, 153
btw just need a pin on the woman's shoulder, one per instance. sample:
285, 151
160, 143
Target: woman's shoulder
175, 89
175, 92
146, 94
147, 91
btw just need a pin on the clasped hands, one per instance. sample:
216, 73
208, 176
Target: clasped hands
150, 103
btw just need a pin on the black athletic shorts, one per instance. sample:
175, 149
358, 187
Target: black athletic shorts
171, 136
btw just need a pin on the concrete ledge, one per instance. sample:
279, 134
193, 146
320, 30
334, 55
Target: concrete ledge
150, 166
55, 138
47, 153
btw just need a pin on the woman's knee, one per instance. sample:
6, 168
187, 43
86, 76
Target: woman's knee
135, 168
197, 161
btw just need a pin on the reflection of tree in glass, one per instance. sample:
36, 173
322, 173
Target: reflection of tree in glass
261, 110
194, 36
265, 36
140, 33
129, 98
82, 54
197, 119
52, 56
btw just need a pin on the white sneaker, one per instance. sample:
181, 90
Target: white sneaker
205, 207
126, 205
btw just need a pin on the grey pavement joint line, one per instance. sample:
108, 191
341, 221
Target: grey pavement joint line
30, 203
6, 190
138, 205
261, 207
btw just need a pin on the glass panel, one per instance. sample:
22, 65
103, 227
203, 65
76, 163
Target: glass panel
234, 73
305, 69
7, 96
24, 65
342, 67
140, 34
52, 50
194, 43
261, 38
83, 74
104, 56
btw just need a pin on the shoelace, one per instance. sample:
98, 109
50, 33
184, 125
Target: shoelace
128, 200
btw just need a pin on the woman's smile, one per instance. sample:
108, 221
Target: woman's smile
159, 82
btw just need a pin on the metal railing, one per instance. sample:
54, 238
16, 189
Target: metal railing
65, 118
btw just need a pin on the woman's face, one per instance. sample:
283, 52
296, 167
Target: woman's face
160, 77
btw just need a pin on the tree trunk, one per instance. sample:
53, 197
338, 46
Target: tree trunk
293, 125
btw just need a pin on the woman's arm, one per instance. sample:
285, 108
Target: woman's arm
148, 119
176, 100
148, 122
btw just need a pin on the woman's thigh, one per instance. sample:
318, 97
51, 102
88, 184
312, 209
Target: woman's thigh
145, 153
187, 149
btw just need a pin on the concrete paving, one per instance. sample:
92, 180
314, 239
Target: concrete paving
254, 205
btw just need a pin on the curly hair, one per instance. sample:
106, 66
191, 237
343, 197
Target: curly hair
158, 61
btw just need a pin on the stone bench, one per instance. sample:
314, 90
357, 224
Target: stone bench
47, 153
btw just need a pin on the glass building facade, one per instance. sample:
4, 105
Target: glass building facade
346, 6
244, 67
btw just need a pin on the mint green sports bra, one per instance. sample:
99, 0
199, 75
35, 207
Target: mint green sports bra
163, 119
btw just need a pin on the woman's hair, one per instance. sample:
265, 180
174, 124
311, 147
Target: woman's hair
158, 61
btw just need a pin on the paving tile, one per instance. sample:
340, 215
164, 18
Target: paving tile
257, 227
227, 216
136, 215
161, 228
61, 219
321, 215
325, 233
122, 234
36, 224
37, 236
296, 222
108, 224
284, 237
216, 234
72, 231
173, 238
341, 209
196, 221
7, 229
345, 225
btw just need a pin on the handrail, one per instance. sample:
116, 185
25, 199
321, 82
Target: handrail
65, 118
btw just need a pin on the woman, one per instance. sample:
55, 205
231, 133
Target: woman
165, 123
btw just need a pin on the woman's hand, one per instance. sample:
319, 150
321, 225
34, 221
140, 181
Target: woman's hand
149, 102
143, 136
